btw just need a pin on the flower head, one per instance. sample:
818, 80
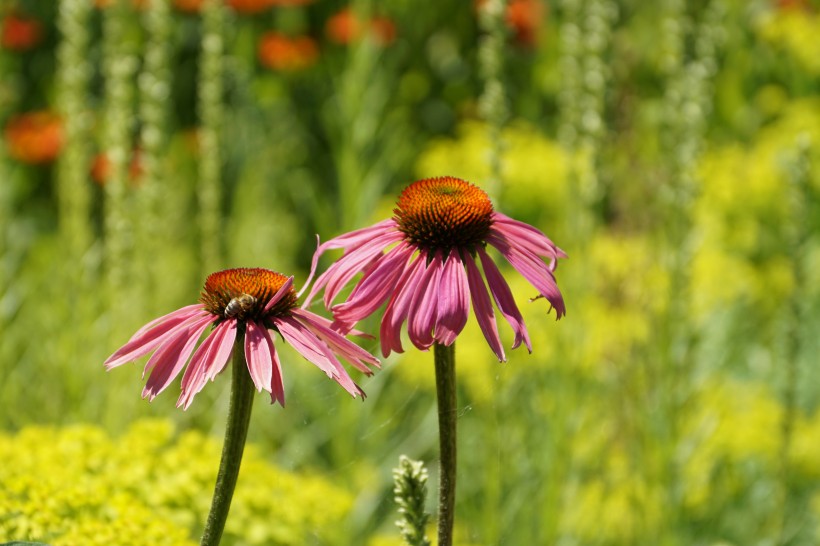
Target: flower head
423, 263
239, 302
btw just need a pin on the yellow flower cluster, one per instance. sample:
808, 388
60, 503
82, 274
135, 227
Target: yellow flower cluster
794, 31
77, 486
742, 209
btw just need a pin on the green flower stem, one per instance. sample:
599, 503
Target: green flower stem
236, 430
445, 358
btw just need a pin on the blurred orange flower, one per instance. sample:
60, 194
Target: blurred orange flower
34, 137
280, 52
525, 18
20, 33
101, 168
345, 27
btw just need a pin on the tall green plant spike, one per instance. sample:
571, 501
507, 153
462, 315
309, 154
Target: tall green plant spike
155, 89
73, 75
410, 490
802, 200
586, 34
493, 101
119, 66
687, 100
210, 90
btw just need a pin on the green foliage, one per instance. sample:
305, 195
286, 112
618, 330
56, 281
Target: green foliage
76, 485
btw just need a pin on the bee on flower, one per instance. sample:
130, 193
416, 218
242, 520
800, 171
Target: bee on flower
239, 305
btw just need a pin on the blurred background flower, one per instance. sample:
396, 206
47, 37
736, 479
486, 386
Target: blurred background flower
19, 32
280, 52
34, 137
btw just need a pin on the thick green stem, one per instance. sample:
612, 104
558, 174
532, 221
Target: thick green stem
445, 358
236, 430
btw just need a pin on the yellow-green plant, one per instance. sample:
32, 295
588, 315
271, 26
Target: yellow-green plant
77, 485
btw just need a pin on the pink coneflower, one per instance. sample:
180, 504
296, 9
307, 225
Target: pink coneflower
423, 262
239, 302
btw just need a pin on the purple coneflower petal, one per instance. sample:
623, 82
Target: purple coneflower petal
351, 352
453, 300
424, 309
151, 338
221, 351
263, 363
315, 351
367, 243
484, 309
277, 385
257, 355
504, 300
531, 268
193, 380
284, 289
213, 353
182, 311
399, 307
170, 358
374, 288
513, 230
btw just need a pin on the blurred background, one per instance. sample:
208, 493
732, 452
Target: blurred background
670, 148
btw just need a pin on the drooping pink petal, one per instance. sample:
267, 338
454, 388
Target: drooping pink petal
181, 311
151, 338
210, 357
351, 352
399, 307
531, 268
335, 327
315, 351
504, 300
284, 289
347, 267
362, 245
424, 309
221, 351
454, 300
170, 358
193, 380
257, 356
263, 362
513, 230
484, 309
374, 288
277, 385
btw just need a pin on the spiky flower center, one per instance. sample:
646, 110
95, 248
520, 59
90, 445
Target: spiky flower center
242, 293
444, 213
